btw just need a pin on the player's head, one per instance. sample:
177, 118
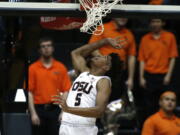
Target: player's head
108, 64
121, 22
101, 62
156, 25
167, 101
46, 47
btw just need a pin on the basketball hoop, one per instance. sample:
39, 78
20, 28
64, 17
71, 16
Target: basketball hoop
96, 10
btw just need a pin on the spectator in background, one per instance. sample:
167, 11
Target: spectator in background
163, 122
47, 77
113, 29
157, 54
156, 2
161, 2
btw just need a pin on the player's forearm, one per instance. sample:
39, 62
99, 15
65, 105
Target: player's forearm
89, 48
31, 103
86, 112
141, 69
171, 67
131, 67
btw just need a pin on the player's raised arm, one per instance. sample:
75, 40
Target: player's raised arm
78, 55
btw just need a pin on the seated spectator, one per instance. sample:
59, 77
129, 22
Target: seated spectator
157, 54
163, 122
113, 29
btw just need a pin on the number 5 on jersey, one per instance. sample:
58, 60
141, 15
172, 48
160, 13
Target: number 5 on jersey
78, 99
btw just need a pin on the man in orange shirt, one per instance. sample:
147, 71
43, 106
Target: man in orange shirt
163, 122
157, 54
47, 77
113, 29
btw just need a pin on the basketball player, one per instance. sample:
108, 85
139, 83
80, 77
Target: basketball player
89, 94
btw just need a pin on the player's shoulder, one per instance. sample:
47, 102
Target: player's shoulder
104, 80
104, 84
85, 73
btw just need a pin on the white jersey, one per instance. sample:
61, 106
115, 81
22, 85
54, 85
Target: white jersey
82, 94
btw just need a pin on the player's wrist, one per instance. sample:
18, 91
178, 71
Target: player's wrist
67, 109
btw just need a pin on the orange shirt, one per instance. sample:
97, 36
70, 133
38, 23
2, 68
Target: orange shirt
46, 82
156, 52
156, 2
110, 31
159, 124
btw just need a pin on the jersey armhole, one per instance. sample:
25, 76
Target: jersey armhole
104, 78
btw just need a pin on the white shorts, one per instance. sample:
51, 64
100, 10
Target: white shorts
70, 129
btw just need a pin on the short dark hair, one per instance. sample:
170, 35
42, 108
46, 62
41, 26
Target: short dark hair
45, 39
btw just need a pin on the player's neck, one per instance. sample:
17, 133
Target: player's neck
96, 72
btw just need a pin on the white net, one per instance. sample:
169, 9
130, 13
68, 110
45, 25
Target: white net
96, 10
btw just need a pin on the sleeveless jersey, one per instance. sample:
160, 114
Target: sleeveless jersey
82, 94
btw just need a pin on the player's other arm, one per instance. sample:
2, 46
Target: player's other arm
103, 93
